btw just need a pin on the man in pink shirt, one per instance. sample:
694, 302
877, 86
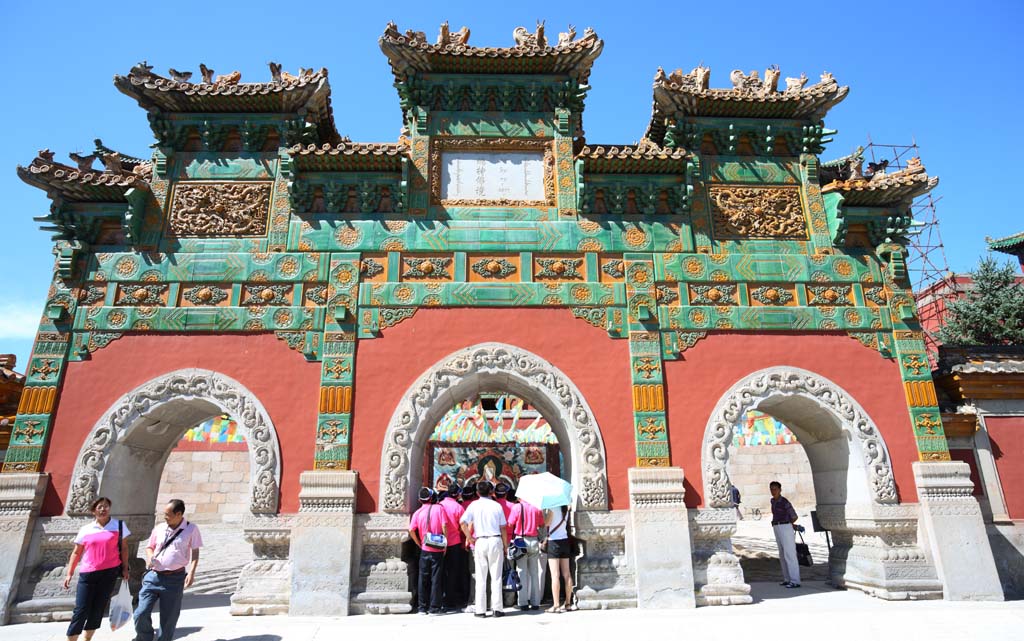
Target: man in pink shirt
523, 521
456, 570
501, 491
173, 545
427, 524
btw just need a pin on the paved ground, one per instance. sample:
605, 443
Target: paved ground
814, 612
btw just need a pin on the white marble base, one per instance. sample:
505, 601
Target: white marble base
20, 498
661, 539
953, 532
321, 544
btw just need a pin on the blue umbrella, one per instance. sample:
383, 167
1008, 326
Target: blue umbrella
544, 490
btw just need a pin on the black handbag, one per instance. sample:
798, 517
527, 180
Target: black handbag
803, 553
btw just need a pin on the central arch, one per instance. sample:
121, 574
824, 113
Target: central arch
483, 368
124, 453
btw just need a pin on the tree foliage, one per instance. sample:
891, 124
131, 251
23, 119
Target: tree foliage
991, 312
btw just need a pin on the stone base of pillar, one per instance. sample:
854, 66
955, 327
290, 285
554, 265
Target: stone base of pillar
381, 579
20, 498
321, 544
952, 529
264, 585
605, 578
717, 575
661, 539
875, 550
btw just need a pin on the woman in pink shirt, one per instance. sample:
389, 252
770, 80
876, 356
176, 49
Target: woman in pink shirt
99, 554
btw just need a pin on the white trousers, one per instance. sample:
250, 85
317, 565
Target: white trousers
487, 557
785, 539
531, 573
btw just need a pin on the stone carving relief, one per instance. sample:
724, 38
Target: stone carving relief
523, 370
791, 381
220, 209
757, 212
220, 390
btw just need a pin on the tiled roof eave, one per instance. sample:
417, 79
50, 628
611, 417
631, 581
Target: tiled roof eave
890, 190
1008, 244
810, 104
80, 186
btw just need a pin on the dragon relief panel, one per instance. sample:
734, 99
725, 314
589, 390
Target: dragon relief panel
203, 209
740, 212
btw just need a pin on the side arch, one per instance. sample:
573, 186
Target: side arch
148, 421
492, 367
797, 395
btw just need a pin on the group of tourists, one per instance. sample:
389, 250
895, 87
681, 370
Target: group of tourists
506, 540
101, 557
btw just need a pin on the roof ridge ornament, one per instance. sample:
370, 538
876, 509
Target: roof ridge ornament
526, 40
448, 39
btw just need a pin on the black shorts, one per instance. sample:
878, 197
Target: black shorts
559, 549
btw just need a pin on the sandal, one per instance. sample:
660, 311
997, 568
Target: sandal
554, 610
570, 607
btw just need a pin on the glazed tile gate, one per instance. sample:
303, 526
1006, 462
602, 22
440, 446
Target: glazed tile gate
624, 289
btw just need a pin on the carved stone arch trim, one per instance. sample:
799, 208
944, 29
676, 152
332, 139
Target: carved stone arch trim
229, 395
469, 370
792, 381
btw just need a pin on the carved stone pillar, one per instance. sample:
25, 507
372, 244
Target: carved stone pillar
717, 575
952, 529
264, 585
20, 498
661, 538
321, 549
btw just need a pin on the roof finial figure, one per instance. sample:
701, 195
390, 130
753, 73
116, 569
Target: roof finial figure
142, 69
46, 155
567, 37
179, 76
84, 162
446, 37
275, 71
207, 74
527, 40
796, 84
771, 79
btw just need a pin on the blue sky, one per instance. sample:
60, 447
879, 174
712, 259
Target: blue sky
939, 73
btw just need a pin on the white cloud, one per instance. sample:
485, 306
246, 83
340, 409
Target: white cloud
19, 319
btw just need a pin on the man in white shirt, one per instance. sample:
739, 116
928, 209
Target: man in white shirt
485, 527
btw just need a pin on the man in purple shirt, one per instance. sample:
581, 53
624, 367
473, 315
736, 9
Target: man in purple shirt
784, 525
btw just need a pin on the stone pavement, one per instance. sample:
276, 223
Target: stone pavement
814, 612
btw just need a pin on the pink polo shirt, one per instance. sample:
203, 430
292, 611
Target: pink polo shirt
506, 507
100, 546
438, 522
524, 519
178, 553
453, 511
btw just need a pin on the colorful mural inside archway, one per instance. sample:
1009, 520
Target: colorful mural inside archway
758, 428
495, 437
220, 429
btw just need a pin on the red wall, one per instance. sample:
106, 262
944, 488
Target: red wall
387, 366
1007, 436
696, 383
284, 382
287, 385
